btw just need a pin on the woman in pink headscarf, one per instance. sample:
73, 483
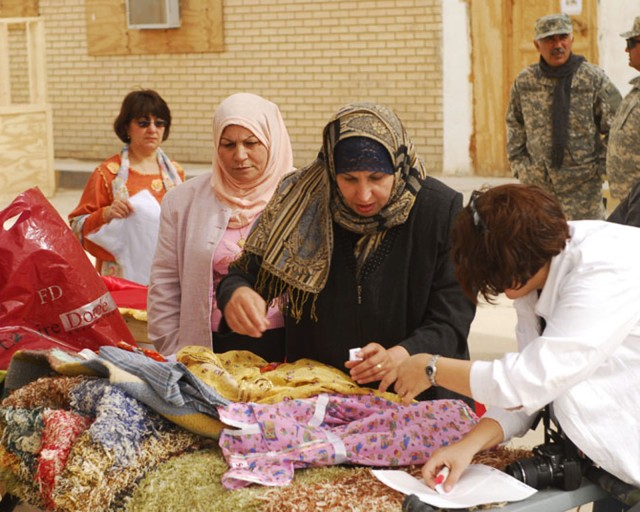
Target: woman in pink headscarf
204, 224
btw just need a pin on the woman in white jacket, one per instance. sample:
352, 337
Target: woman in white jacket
203, 226
576, 290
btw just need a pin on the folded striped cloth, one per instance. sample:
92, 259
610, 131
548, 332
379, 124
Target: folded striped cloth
169, 388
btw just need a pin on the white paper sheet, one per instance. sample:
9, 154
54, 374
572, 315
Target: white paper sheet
478, 485
132, 241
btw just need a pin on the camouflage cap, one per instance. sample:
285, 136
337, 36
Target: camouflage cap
635, 30
552, 25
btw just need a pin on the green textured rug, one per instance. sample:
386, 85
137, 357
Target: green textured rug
191, 482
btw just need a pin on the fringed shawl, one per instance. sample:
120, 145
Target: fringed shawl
294, 235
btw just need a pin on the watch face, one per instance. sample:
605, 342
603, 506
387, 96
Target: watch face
429, 370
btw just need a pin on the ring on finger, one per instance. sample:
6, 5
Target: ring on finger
379, 366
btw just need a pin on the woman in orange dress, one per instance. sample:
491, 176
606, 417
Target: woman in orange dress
143, 124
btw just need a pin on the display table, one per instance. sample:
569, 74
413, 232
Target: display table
556, 500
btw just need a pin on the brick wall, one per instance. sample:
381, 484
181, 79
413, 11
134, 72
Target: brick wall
308, 56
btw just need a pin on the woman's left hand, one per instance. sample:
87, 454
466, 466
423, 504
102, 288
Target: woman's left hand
409, 377
119, 209
375, 362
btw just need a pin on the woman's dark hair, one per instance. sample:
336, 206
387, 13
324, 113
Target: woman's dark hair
504, 236
140, 104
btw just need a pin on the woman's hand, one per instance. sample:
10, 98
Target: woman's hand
486, 434
117, 210
375, 363
456, 457
409, 377
246, 312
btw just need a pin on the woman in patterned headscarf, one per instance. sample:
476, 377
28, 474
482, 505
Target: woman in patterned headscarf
355, 247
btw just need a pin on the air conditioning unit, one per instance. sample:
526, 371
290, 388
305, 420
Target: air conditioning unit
153, 14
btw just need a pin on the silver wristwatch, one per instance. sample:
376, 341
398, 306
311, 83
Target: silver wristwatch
431, 370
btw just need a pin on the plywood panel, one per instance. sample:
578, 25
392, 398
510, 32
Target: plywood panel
26, 158
36, 58
5, 68
201, 30
18, 8
488, 21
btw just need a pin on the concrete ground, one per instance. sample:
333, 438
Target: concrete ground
492, 331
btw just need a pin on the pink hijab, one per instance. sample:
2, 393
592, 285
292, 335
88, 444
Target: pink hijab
264, 120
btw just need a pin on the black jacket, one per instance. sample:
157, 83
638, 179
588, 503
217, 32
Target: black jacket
628, 211
408, 294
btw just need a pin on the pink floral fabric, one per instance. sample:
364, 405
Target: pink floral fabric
272, 440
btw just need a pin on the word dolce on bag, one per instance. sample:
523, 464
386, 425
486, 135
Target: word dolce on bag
80, 317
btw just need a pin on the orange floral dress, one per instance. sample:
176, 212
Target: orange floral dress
98, 194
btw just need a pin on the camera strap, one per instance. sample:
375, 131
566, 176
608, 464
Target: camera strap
553, 433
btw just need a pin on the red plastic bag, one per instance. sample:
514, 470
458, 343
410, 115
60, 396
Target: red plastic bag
47, 282
29, 339
127, 294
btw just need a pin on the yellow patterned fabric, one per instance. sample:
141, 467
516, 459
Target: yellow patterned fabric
241, 376
137, 314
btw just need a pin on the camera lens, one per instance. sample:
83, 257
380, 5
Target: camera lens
534, 471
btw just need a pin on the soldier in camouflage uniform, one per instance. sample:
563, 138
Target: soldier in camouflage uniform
623, 155
558, 119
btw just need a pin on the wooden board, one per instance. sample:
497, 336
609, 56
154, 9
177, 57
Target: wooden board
488, 29
138, 330
201, 30
18, 8
26, 156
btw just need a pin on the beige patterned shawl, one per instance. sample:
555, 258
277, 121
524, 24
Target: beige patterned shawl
294, 235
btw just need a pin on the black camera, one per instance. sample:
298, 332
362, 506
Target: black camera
556, 463
550, 466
